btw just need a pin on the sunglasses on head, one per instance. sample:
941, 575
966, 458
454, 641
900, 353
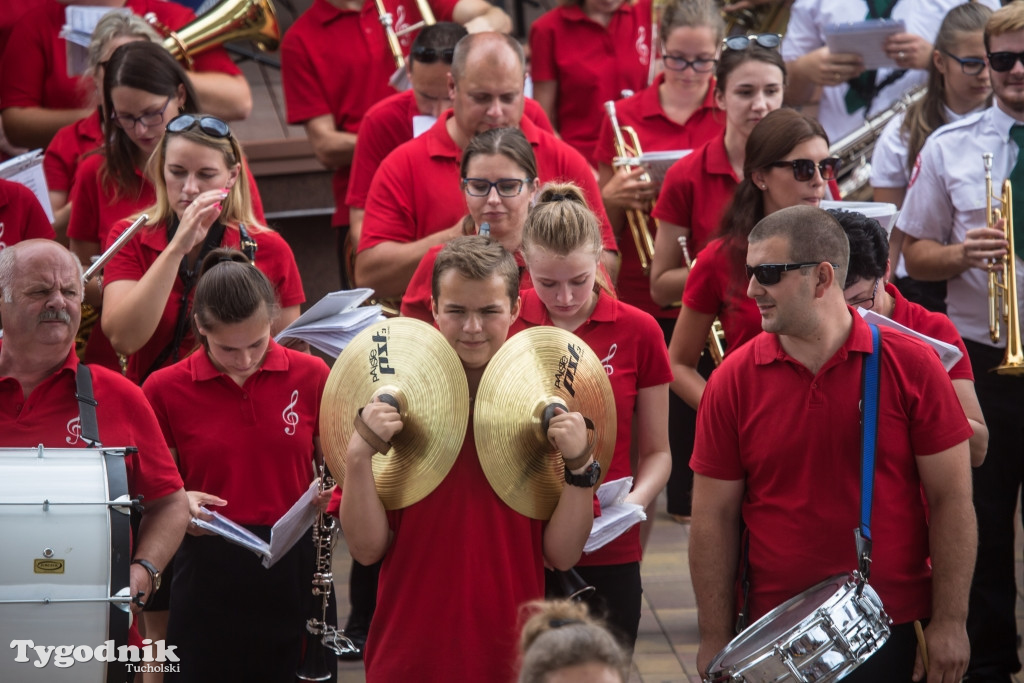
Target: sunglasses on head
771, 273
803, 169
429, 55
1004, 61
765, 40
210, 125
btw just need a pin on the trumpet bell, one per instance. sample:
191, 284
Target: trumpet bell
254, 20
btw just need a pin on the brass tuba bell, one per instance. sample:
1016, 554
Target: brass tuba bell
230, 20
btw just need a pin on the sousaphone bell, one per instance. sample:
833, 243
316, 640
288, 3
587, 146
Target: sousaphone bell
410, 363
533, 371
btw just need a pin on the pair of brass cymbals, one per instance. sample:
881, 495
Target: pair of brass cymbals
412, 361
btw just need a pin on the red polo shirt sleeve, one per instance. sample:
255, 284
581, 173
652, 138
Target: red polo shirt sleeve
386, 125
65, 151
21, 215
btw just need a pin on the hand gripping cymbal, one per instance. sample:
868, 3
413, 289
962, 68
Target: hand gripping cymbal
535, 368
413, 363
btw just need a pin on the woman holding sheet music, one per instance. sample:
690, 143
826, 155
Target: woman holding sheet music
241, 417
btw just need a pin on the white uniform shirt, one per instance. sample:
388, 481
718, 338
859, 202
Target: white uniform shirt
806, 33
946, 198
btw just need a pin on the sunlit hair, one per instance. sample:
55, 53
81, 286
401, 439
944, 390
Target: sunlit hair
115, 25
1007, 19
869, 245
150, 68
476, 257
561, 222
812, 235
485, 40
8, 265
561, 634
692, 14
237, 207
230, 290
509, 143
929, 112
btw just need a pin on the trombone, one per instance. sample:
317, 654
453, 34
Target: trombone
638, 222
1002, 279
394, 33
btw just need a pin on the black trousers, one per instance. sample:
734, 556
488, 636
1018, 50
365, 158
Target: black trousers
617, 599
991, 621
894, 661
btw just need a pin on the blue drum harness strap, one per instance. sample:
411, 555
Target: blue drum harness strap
869, 441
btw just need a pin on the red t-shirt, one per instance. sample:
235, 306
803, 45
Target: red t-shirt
66, 149
21, 215
592, 64
265, 427
34, 72
273, 256
657, 132
387, 125
337, 62
476, 562
717, 285
794, 438
638, 362
696, 190
403, 208
935, 325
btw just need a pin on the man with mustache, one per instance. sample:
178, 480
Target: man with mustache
41, 307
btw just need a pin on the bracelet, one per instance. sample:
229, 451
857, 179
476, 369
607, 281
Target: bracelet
370, 436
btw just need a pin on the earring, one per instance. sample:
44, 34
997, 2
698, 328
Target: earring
764, 187
181, 110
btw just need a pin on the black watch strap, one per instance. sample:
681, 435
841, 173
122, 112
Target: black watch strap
587, 478
154, 573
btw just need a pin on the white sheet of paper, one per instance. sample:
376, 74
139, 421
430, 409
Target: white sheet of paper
883, 212
865, 38
948, 354
27, 169
79, 23
331, 323
421, 123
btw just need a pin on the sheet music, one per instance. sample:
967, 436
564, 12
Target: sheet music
27, 169
617, 516
883, 212
865, 38
79, 23
948, 354
656, 163
421, 123
331, 323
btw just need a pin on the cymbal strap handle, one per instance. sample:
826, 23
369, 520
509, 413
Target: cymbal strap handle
370, 436
390, 400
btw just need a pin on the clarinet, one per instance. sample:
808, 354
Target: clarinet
321, 636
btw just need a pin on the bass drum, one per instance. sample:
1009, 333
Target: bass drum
820, 635
64, 520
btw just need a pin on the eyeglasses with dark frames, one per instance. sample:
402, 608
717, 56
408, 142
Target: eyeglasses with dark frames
972, 66
769, 274
210, 125
867, 302
769, 41
803, 169
429, 55
699, 65
506, 187
127, 122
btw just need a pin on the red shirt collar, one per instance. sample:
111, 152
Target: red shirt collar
576, 13
718, 158
441, 145
203, 368
650, 100
768, 349
535, 313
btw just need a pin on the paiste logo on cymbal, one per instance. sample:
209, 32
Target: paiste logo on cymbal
567, 365
379, 356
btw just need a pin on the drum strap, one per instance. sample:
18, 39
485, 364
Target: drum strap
869, 441
86, 406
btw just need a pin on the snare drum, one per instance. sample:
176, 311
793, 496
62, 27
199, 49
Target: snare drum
64, 519
820, 635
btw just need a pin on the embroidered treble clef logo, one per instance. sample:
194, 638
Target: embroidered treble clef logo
643, 52
74, 430
401, 24
291, 418
606, 361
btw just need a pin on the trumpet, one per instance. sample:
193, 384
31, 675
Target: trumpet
253, 20
716, 336
321, 636
1002, 279
637, 220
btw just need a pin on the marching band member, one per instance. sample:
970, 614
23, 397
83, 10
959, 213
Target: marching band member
562, 250
562, 642
946, 238
958, 85
199, 205
21, 215
462, 525
778, 447
584, 53
499, 179
786, 164
231, 618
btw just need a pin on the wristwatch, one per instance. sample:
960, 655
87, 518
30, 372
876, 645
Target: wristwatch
585, 479
154, 573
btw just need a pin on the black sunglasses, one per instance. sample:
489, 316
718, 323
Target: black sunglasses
972, 66
210, 125
429, 55
770, 273
766, 40
803, 169
1004, 61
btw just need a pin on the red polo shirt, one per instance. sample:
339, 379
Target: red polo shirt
387, 125
794, 438
634, 356
34, 71
66, 149
273, 418
273, 256
21, 215
592, 64
935, 325
401, 207
717, 285
337, 62
696, 191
